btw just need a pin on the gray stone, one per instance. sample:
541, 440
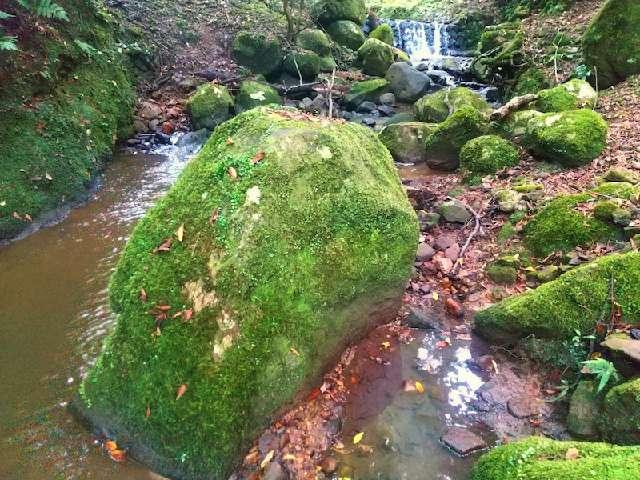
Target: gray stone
524, 406
367, 107
387, 99
455, 211
422, 319
369, 121
193, 138
462, 441
406, 82
584, 410
386, 110
444, 241
428, 220
425, 252
275, 472
621, 344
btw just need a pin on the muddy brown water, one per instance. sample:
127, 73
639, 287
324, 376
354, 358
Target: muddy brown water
54, 315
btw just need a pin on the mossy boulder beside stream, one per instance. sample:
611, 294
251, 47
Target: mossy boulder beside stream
436, 107
619, 421
209, 106
574, 301
258, 52
538, 458
298, 238
375, 57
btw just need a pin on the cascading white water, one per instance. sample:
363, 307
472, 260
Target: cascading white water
421, 40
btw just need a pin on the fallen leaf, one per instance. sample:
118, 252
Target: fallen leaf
294, 351
181, 390
119, 456
419, 387
315, 393
289, 457
214, 216
267, 459
147, 413
143, 295
110, 445
28, 218
229, 141
48, 176
435, 296
165, 246
357, 438
386, 345
187, 315
180, 233
233, 173
572, 454
257, 157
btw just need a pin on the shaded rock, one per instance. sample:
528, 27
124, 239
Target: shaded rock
455, 211
209, 106
303, 62
253, 94
314, 40
436, 107
259, 53
275, 472
422, 319
407, 83
406, 141
584, 409
622, 345
425, 252
524, 407
329, 11
462, 441
375, 57
428, 220
387, 99
368, 90
386, 110
347, 34
367, 107
619, 419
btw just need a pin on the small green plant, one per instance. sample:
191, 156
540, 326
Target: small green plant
604, 370
582, 72
45, 9
7, 43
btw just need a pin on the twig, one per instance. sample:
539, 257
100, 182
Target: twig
513, 105
330, 89
474, 232
295, 62
555, 64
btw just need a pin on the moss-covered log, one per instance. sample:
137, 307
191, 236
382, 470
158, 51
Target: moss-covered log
294, 237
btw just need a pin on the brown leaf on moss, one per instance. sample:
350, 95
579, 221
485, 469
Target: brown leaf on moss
143, 295
257, 157
181, 391
165, 246
214, 216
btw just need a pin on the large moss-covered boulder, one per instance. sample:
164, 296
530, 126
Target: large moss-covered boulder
515, 124
572, 95
366, 91
304, 63
406, 140
407, 83
574, 301
270, 254
254, 94
384, 33
619, 420
259, 53
347, 34
612, 41
538, 458
572, 138
436, 107
315, 40
584, 410
375, 57
329, 11
444, 144
209, 106
531, 80
500, 52
564, 223
487, 154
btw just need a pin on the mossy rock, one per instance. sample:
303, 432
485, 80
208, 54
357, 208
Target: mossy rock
400, 55
259, 53
611, 43
623, 190
303, 62
572, 95
487, 154
584, 410
283, 263
406, 141
515, 124
502, 274
375, 57
254, 94
347, 34
621, 175
560, 226
532, 80
209, 106
330, 11
572, 138
328, 64
538, 458
500, 50
436, 107
315, 40
366, 91
444, 144
574, 301
619, 420
384, 33
604, 210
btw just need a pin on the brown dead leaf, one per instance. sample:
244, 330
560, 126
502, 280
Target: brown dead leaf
119, 456
181, 391
187, 315
233, 173
143, 295
214, 216
257, 157
572, 454
147, 413
180, 233
229, 141
165, 246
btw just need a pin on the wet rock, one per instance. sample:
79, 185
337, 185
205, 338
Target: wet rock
406, 82
149, 110
388, 99
368, 90
584, 410
524, 406
193, 138
454, 211
369, 121
375, 57
406, 140
428, 220
425, 252
463, 441
140, 125
162, 138
422, 319
386, 110
367, 107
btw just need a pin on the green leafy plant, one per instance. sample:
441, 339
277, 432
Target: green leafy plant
86, 48
45, 9
604, 370
8, 43
582, 72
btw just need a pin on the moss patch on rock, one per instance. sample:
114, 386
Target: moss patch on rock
572, 95
538, 458
304, 63
258, 52
209, 106
347, 34
375, 57
285, 259
501, 53
254, 94
436, 107
406, 140
572, 138
574, 301
532, 80
384, 33
329, 11
366, 91
619, 420
486, 155
314, 40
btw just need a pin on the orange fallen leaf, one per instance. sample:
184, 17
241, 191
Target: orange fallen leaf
119, 456
233, 173
267, 460
165, 246
214, 216
315, 393
419, 387
257, 157
110, 445
187, 315
181, 390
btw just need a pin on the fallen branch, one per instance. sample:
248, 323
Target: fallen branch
476, 229
297, 89
513, 105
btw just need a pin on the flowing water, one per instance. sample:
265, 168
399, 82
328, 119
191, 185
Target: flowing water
54, 312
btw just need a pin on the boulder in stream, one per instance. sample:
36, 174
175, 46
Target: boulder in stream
436, 107
406, 140
407, 83
384, 33
365, 91
619, 419
375, 57
286, 239
253, 94
347, 34
260, 53
209, 106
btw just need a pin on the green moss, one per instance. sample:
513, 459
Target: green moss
624, 190
444, 144
572, 138
620, 175
375, 57
577, 300
560, 226
209, 106
436, 107
290, 281
604, 210
253, 94
304, 62
557, 99
368, 90
500, 47
315, 41
328, 64
406, 140
502, 274
329, 11
347, 34
538, 458
619, 420
515, 124
532, 80
487, 154
384, 33
614, 29
259, 53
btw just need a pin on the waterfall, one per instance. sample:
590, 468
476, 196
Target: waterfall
421, 40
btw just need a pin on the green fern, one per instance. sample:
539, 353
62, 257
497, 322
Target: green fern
604, 371
8, 44
5, 15
85, 48
45, 9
